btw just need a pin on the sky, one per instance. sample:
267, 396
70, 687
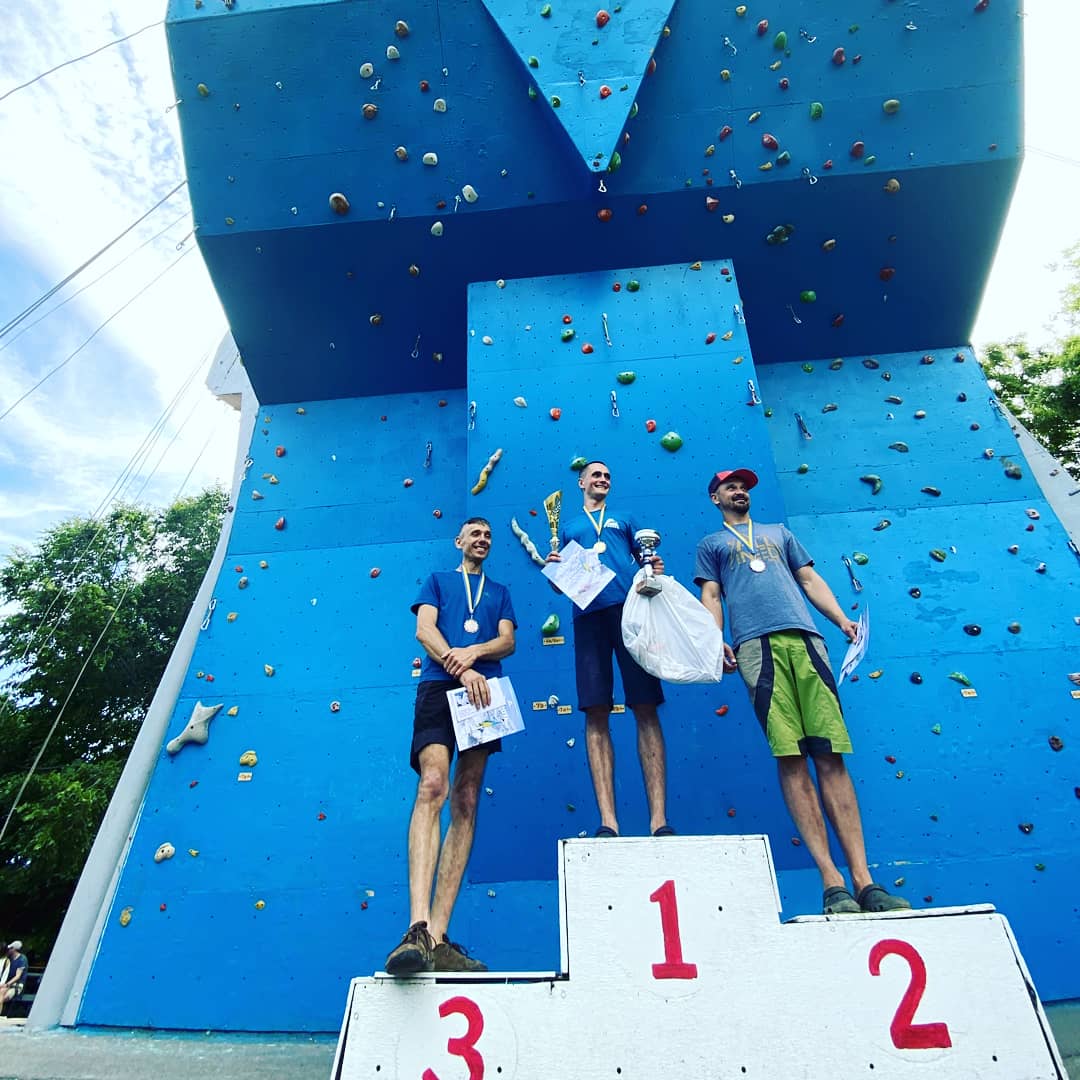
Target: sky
89, 149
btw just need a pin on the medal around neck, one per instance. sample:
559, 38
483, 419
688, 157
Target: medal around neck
471, 626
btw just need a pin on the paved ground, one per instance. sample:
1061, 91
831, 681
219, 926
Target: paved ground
143, 1055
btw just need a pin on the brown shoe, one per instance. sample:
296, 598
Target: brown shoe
450, 957
414, 954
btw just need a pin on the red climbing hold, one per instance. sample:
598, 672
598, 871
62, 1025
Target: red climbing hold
279, 524
616, 287
425, 86
711, 204
605, 91
784, 84
567, 320
555, 413
731, 811
858, 148
375, 572
604, 214
886, 273
586, 348
982, 5
827, 164
650, 426
839, 56
710, 337
279, 451
763, 28
643, 209
890, 759
650, 68
769, 142
436, 513
602, 18
322, 816
723, 710
838, 320
725, 131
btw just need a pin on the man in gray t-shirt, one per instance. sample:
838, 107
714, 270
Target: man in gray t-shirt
764, 576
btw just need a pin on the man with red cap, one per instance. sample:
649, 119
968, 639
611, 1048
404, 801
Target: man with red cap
764, 577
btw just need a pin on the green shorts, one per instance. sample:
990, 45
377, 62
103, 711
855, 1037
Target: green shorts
794, 693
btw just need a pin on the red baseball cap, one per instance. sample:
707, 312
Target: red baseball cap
745, 475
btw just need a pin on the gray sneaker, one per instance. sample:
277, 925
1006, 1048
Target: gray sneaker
414, 954
838, 901
875, 899
450, 957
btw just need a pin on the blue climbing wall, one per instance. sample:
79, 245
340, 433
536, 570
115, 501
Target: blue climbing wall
388, 345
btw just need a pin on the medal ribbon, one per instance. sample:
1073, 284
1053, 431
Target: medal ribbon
746, 541
468, 590
597, 527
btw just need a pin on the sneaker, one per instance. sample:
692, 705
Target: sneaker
838, 901
875, 899
450, 957
414, 954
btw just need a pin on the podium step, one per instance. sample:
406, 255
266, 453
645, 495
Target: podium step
676, 965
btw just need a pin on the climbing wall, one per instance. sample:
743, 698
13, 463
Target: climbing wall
441, 233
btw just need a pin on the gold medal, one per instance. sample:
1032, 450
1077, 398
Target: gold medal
599, 547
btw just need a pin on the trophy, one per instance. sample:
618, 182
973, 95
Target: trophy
553, 507
648, 540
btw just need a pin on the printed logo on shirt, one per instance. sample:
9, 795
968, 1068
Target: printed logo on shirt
611, 523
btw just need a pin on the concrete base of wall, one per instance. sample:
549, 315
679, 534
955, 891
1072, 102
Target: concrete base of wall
1064, 1017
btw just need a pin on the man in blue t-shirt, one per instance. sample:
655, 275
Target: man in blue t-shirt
465, 623
765, 576
15, 977
598, 636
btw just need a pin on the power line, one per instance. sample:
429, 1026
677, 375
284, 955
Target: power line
27, 312
105, 274
1052, 156
63, 363
76, 59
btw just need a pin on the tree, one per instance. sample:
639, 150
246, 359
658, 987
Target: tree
1042, 386
133, 575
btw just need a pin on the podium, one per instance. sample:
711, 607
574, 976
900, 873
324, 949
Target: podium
675, 965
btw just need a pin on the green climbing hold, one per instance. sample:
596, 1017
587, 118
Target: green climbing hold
768, 412
567, 334
817, 110
671, 441
533, 95
960, 677
808, 368
853, 28
860, 557
550, 626
891, 107
870, 159
633, 110
533, 62
633, 285
937, 554
808, 296
545, 11
783, 158
830, 407
626, 377
578, 463
780, 41
803, 469
556, 101
615, 162
936, 729
873, 480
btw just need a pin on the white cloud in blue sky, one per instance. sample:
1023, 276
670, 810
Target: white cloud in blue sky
88, 149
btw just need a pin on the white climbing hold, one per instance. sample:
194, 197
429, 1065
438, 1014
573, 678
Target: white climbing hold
431, 158
437, 229
198, 727
468, 193
439, 104
166, 851
392, 52
521, 403
367, 69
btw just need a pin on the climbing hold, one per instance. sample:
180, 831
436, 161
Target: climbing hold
370, 111
125, 916
830, 407
204, 90
916, 678
937, 554
780, 41
1056, 743
838, 320
197, 729
374, 572
839, 56
803, 469
711, 204
633, 285
338, 203
1032, 513
1013, 628
279, 524
468, 193
783, 158
892, 186
1013, 549
769, 142
550, 626
919, 414
578, 463
602, 19
882, 525
1013, 471
858, 148
260, 904
891, 107
727, 218
935, 730
401, 28
626, 377
587, 348
249, 758
671, 441
545, 12
439, 105
972, 629
1041, 568
860, 557
407, 482
650, 426
567, 334
485, 472
1025, 827
762, 27
430, 158
929, 490
604, 213
605, 91
817, 110
874, 481
555, 413
960, 677
166, 851
876, 674
724, 132
437, 228
367, 69
232, 616
753, 117
710, 337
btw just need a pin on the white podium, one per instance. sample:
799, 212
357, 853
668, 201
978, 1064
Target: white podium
675, 966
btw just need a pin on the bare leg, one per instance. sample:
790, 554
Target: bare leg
431, 793
601, 762
650, 745
805, 808
464, 796
842, 809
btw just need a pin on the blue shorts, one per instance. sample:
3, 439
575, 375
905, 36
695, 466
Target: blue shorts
432, 723
598, 634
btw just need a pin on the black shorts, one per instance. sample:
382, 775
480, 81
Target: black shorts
597, 635
432, 723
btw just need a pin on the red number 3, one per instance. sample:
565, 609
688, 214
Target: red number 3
464, 1046
905, 1034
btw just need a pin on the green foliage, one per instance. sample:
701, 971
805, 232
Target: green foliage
141, 569
1042, 386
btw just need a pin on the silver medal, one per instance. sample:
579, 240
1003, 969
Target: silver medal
757, 565
471, 625
599, 547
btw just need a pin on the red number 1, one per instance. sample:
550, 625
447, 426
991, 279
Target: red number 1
673, 966
905, 1034
465, 1045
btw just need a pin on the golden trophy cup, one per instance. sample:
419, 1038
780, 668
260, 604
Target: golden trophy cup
553, 507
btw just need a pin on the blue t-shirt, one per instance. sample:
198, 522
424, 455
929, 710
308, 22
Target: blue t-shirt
17, 970
445, 590
618, 534
757, 603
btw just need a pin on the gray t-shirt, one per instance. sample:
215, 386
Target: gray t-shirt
757, 603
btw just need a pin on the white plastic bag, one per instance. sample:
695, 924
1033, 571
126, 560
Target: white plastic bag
672, 635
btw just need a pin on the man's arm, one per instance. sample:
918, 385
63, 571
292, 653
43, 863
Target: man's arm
710, 597
821, 596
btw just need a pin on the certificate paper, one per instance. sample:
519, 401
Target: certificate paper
857, 649
580, 574
473, 726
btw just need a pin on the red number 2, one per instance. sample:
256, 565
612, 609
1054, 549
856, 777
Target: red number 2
905, 1034
464, 1046
673, 966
